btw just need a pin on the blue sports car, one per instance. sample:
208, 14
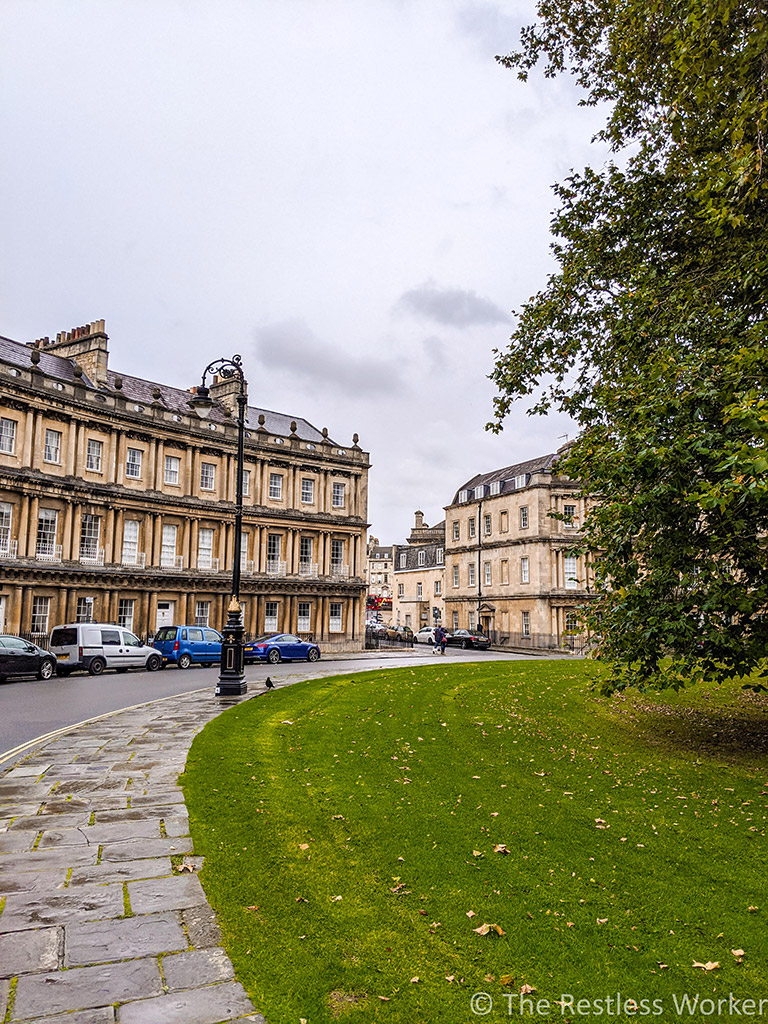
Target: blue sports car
280, 647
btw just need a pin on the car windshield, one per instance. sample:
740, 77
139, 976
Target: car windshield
264, 639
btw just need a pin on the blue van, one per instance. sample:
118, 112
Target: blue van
183, 645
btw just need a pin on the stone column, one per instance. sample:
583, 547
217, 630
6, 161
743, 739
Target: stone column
117, 536
194, 543
109, 536
73, 440
14, 610
23, 528
111, 468
157, 545
76, 527
28, 438
186, 537
159, 479
34, 507
66, 538
26, 609
121, 452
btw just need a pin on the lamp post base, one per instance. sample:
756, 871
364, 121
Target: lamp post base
232, 674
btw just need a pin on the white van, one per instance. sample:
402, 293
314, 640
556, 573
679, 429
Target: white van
95, 646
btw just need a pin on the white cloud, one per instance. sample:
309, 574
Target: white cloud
276, 179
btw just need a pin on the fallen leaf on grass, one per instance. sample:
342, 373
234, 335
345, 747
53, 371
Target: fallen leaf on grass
752, 909
663, 967
301, 899
506, 979
602, 920
286, 722
335, 899
385, 999
303, 846
486, 929
450, 977
255, 906
186, 867
526, 989
477, 853
709, 966
415, 981
470, 913
500, 848
738, 952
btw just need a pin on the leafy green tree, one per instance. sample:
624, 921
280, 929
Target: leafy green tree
652, 333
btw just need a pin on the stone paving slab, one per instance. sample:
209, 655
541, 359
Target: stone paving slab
16, 863
86, 819
87, 903
35, 950
175, 893
101, 1015
29, 881
198, 967
146, 935
119, 871
146, 848
16, 843
223, 1002
84, 988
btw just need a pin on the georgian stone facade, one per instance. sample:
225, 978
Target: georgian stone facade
117, 503
510, 567
420, 576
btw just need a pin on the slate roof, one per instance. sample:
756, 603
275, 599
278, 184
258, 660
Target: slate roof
15, 354
141, 391
506, 476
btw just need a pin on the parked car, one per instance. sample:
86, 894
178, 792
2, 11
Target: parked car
94, 646
23, 658
404, 633
426, 635
280, 647
185, 645
377, 628
468, 638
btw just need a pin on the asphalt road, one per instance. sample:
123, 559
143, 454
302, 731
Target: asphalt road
32, 708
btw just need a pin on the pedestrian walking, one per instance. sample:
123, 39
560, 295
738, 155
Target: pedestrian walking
443, 639
436, 633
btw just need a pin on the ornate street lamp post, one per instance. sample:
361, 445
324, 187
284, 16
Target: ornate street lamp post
232, 673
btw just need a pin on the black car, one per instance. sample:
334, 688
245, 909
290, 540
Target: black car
468, 638
21, 658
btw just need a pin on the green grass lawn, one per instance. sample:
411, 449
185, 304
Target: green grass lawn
357, 831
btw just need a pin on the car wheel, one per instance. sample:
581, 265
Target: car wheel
464, 645
274, 656
184, 661
313, 654
46, 670
97, 666
154, 662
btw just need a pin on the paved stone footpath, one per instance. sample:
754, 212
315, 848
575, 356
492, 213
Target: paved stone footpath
96, 926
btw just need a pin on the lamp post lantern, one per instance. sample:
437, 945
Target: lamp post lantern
232, 671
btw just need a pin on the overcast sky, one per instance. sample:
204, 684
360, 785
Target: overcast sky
352, 194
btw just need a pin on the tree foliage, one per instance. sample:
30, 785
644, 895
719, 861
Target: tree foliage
652, 333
